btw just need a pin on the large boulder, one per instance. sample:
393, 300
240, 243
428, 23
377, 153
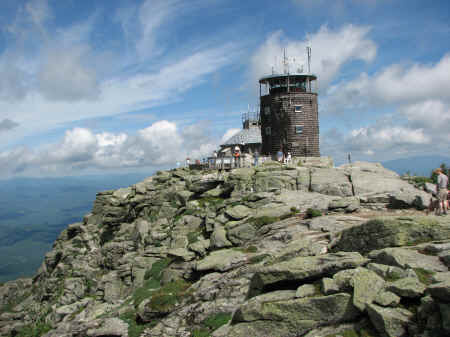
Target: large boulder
407, 287
392, 232
371, 179
222, 260
238, 212
331, 181
407, 258
303, 200
302, 268
275, 181
202, 183
366, 286
219, 238
440, 291
334, 223
390, 322
294, 316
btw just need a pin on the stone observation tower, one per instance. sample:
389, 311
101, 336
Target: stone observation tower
288, 111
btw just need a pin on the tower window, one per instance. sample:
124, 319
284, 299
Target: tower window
267, 110
299, 129
268, 130
298, 108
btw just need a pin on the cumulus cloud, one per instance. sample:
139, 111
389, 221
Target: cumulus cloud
418, 128
395, 84
229, 133
379, 141
330, 51
7, 124
434, 115
417, 98
158, 145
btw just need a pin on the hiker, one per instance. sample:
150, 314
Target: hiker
256, 158
288, 158
188, 161
237, 156
280, 156
442, 192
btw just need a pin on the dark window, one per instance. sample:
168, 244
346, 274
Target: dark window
298, 108
299, 129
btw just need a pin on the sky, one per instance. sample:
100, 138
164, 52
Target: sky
115, 86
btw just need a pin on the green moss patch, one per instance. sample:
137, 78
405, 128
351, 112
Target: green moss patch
34, 330
211, 324
355, 333
264, 220
425, 276
313, 213
167, 297
346, 333
135, 329
193, 236
152, 281
211, 201
157, 268
201, 333
250, 249
258, 258
217, 320
393, 276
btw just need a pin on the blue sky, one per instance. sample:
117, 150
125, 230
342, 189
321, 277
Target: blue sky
112, 85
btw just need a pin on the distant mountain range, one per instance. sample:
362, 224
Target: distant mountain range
421, 165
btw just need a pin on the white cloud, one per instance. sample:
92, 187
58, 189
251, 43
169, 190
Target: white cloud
62, 78
152, 15
395, 84
229, 133
330, 51
158, 145
434, 115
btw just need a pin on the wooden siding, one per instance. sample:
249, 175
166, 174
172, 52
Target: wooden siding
283, 119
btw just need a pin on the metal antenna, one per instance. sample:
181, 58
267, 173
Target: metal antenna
285, 62
308, 52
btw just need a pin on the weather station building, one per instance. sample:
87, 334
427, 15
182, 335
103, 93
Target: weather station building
249, 138
289, 111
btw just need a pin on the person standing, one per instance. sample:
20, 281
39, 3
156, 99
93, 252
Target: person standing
256, 157
215, 159
280, 156
442, 192
237, 156
288, 158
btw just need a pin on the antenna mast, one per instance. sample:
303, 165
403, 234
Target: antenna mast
308, 52
285, 62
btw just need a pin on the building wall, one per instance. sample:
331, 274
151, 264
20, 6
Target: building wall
283, 121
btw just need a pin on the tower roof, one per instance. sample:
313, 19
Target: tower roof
302, 76
245, 136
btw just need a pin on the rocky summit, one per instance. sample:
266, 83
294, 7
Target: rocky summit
271, 251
